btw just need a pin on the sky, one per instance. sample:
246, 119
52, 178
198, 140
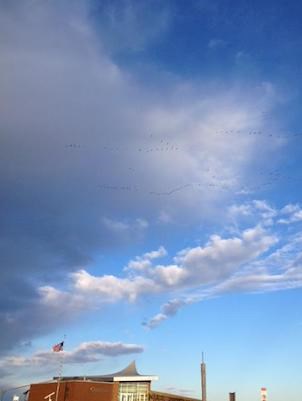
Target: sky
151, 192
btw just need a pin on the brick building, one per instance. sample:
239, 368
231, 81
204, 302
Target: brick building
126, 385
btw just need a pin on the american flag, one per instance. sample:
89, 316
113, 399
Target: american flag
58, 347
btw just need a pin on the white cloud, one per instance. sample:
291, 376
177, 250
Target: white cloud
155, 321
167, 310
220, 257
161, 252
144, 263
290, 208
266, 211
86, 352
255, 259
109, 288
125, 230
130, 25
194, 267
237, 210
170, 276
253, 211
262, 267
293, 214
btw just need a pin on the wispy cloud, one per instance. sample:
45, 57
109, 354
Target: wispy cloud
292, 214
128, 25
192, 267
276, 270
256, 259
166, 311
86, 352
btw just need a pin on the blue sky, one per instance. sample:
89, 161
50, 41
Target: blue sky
151, 192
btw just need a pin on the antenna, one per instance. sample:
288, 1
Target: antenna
203, 380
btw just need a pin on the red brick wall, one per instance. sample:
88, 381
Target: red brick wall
75, 391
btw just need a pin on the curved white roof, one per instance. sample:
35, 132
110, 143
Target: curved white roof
130, 373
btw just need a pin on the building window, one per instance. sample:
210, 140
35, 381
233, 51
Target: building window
134, 391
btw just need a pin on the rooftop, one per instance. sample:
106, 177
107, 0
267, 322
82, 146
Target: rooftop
128, 374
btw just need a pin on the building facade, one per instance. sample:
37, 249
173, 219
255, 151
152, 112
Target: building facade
125, 385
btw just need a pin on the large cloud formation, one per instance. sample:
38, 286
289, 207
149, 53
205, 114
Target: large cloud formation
276, 265
254, 259
89, 156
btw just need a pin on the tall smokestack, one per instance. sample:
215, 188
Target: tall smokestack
263, 394
232, 396
203, 381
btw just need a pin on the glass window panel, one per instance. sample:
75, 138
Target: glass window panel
133, 391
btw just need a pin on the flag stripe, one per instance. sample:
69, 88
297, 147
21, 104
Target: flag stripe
58, 347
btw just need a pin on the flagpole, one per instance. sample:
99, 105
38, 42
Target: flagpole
60, 372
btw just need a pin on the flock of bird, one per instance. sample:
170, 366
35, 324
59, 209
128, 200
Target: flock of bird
72, 145
217, 184
161, 146
261, 133
263, 179
135, 188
